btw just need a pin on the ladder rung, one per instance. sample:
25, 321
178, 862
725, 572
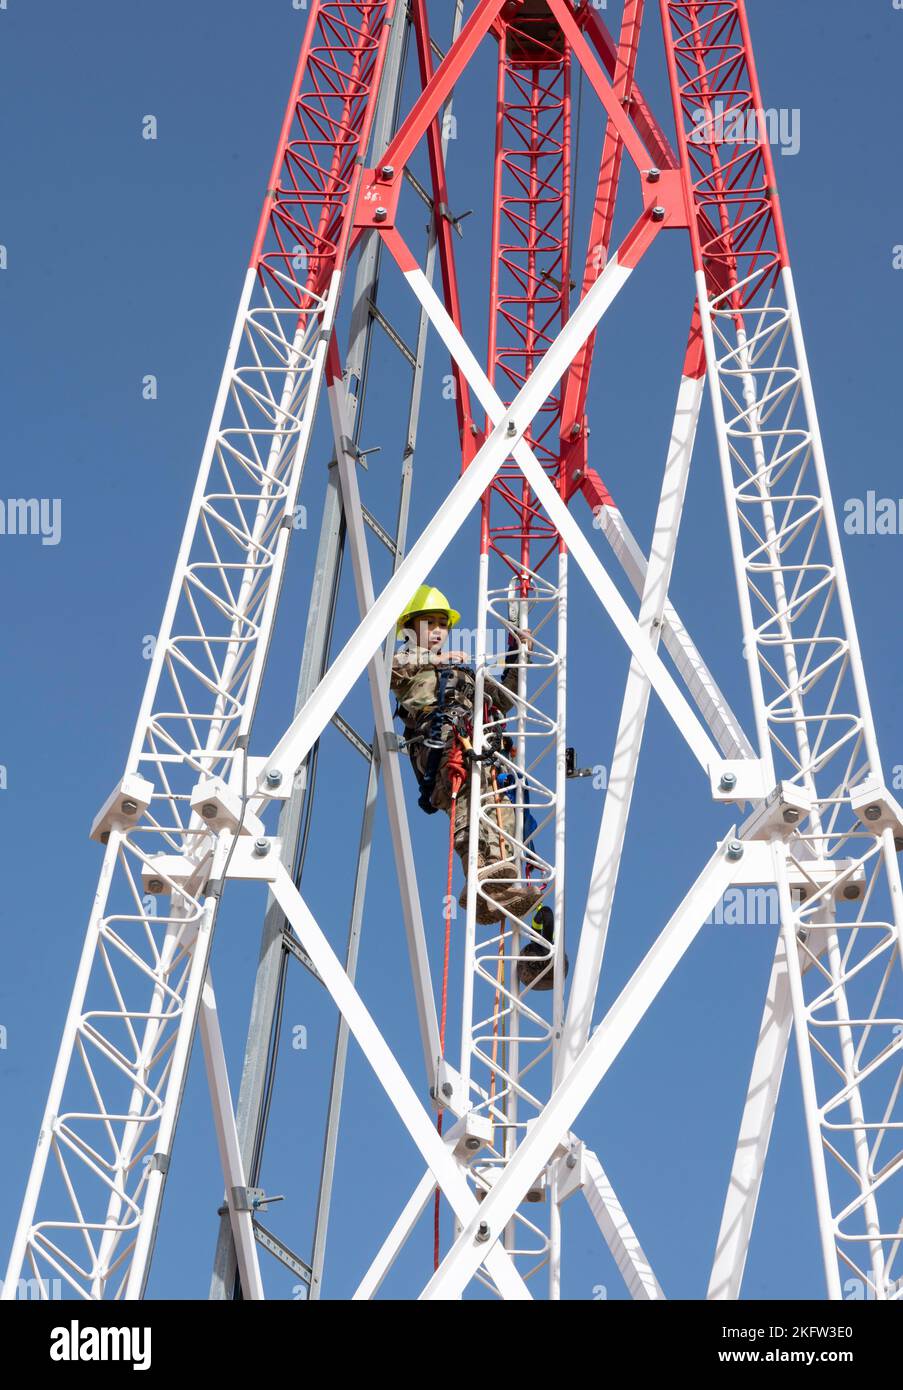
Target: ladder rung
353, 737
390, 332
282, 1252
379, 530
419, 188
294, 947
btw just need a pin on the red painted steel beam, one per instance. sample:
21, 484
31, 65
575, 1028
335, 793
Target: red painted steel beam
638, 108
632, 140
737, 233
529, 263
325, 131
430, 102
577, 381
467, 428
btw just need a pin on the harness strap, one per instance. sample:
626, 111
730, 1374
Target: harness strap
437, 743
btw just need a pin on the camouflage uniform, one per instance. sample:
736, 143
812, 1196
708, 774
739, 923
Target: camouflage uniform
415, 682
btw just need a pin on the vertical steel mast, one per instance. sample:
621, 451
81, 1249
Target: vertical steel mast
806, 807
834, 856
507, 1037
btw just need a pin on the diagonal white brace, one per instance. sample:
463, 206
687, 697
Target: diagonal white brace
645, 655
391, 1077
649, 661
572, 1094
755, 1132
227, 1141
617, 1231
438, 534
397, 1238
631, 727
394, 1242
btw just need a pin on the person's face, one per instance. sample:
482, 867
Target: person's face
431, 630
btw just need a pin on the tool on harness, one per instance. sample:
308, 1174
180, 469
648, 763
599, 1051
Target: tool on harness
444, 724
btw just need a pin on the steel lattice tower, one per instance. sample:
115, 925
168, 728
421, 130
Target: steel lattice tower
197, 806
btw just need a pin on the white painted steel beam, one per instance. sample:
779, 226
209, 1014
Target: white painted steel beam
748, 1167
617, 1232
438, 534
398, 1089
241, 1221
628, 742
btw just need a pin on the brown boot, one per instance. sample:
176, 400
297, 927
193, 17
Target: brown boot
497, 872
535, 966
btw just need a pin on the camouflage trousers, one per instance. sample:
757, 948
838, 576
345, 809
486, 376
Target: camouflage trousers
502, 889
492, 846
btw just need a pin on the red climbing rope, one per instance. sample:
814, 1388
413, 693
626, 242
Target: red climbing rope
456, 772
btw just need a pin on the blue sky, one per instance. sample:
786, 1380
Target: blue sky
124, 257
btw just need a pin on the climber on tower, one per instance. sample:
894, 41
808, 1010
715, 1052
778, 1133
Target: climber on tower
435, 691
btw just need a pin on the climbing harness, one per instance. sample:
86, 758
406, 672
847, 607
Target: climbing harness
448, 719
445, 721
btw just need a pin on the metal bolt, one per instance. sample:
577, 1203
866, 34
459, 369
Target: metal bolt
577, 474
575, 430
658, 214
791, 815
728, 781
274, 777
472, 1143
571, 1161
653, 175
208, 810
130, 807
511, 428
851, 892
104, 837
447, 1088
432, 1093
735, 850
380, 215
873, 813
155, 885
388, 171
483, 1232
261, 847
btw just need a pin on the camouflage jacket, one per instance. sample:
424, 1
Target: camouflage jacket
415, 684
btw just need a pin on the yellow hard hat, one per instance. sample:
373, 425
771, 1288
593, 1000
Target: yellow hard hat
427, 600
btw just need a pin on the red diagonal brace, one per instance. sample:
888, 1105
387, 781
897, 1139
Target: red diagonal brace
577, 381
466, 426
633, 144
650, 131
427, 106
